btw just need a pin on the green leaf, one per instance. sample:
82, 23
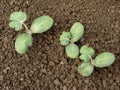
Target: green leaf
104, 59
85, 69
85, 58
22, 43
65, 38
77, 31
41, 24
85, 50
15, 25
72, 50
16, 20
18, 16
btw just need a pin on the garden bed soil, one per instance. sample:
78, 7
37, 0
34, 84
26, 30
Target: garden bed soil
45, 66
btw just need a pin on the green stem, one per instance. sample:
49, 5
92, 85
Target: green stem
92, 61
72, 42
25, 26
27, 30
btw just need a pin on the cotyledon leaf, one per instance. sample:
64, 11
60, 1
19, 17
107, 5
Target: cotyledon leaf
76, 31
72, 50
104, 59
41, 24
22, 43
85, 69
65, 38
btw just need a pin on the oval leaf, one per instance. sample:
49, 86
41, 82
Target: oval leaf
65, 38
41, 24
77, 31
85, 69
72, 50
104, 59
22, 43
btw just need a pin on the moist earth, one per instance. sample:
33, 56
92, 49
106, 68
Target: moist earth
45, 66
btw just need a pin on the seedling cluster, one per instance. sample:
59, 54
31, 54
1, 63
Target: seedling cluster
25, 40
85, 53
68, 39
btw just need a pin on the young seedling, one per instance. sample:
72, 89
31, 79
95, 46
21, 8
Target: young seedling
68, 39
102, 60
25, 40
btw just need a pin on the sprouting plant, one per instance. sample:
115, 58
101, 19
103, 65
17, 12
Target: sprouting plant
102, 60
68, 39
25, 40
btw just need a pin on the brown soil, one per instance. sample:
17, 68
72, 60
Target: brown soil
46, 66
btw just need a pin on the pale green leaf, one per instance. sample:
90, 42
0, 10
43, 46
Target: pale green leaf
16, 20
85, 69
65, 38
76, 31
22, 43
18, 16
104, 59
16, 25
85, 58
85, 50
41, 24
72, 50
